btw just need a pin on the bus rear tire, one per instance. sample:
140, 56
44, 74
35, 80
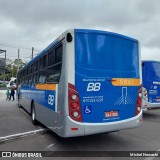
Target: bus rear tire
33, 115
18, 104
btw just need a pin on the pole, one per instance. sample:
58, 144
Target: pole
4, 74
18, 61
32, 51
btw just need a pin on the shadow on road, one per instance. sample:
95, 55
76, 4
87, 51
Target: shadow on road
151, 114
91, 142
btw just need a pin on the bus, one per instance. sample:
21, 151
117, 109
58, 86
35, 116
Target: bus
151, 84
85, 82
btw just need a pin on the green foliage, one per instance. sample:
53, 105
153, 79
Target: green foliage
12, 67
3, 85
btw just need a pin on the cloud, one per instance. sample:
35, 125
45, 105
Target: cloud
37, 23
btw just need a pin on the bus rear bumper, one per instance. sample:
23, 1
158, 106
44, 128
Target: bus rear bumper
74, 129
148, 105
113, 126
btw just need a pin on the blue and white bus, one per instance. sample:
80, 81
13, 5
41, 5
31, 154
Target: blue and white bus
151, 84
85, 82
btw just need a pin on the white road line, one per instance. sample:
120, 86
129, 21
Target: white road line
20, 135
151, 158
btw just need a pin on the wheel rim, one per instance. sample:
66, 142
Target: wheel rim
33, 114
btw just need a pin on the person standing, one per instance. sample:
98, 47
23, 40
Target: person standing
12, 92
7, 94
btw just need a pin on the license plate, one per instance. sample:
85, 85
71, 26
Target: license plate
111, 114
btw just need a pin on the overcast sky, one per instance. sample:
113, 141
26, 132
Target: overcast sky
36, 23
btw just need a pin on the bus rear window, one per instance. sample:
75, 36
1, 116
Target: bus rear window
104, 52
153, 71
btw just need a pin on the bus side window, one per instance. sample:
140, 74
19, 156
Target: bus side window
45, 61
41, 63
36, 66
26, 80
34, 78
58, 54
30, 79
51, 57
26, 71
22, 80
53, 74
42, 77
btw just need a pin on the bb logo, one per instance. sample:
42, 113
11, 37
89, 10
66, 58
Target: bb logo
93, 87
51, 99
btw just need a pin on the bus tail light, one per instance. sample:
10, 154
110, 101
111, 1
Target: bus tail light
139, 101
74, 103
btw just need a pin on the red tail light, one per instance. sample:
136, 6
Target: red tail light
139, 100
74, 103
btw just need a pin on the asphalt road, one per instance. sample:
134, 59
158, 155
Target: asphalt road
14, 120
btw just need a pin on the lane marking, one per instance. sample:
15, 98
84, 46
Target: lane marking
20, 135
151, 158
49, 147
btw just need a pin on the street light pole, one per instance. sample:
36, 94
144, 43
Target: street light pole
18, 62
32, 51
4, 78
4, 67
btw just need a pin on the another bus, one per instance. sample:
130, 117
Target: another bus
85, 82
151, 84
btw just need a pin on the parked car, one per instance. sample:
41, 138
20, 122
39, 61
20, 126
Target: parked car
2, 84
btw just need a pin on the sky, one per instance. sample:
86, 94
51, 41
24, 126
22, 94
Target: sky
36, 23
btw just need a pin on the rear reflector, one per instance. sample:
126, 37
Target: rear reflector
74, 129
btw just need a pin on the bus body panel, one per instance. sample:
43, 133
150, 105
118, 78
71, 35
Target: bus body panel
151, 84
24, 100
62, 101
100, 59
46, 116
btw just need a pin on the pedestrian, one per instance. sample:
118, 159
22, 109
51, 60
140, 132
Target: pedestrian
12, 92
7, 94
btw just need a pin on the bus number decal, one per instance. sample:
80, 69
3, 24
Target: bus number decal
93, 87
125, 82
51, 99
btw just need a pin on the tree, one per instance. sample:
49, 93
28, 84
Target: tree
12, 67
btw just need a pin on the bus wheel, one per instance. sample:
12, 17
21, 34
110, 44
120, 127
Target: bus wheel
19, 106
33, 114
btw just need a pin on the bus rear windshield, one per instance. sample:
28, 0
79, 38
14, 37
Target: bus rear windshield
108, 53
153, 71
